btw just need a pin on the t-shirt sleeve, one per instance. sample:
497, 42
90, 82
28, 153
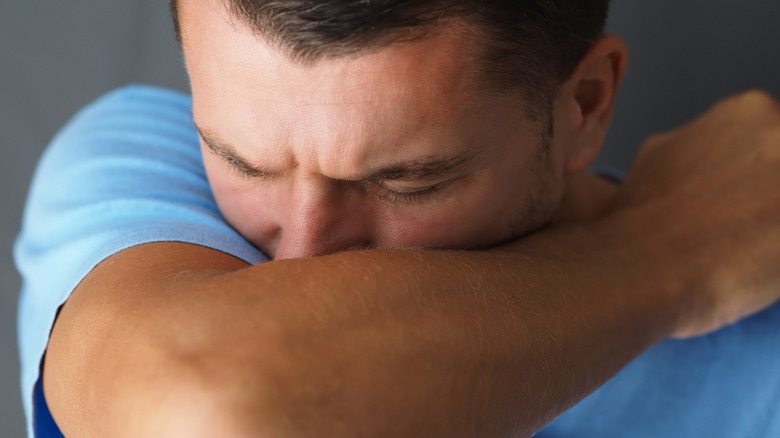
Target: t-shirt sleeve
125, 171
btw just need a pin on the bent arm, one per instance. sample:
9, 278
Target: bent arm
169, 339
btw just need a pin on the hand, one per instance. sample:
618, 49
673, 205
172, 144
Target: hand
711, 191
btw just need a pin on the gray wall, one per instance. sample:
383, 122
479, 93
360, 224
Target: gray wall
57, 56
686, 55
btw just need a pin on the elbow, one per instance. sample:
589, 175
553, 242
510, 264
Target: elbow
138, 383
157, 396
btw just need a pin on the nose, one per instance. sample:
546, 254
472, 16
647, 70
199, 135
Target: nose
321, 218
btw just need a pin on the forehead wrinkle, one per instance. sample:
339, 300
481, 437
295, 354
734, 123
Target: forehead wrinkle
353, 141
387, 126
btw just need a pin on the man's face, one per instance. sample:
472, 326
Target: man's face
402, 147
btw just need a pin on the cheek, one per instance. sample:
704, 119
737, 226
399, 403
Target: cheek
501, 202
478, 216
399, 228
246, 207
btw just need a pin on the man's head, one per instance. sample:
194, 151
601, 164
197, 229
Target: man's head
394, 123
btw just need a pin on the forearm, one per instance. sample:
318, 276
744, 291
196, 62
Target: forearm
485, 344
371, 343
455, 360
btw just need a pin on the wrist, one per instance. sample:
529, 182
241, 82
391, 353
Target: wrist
651, 250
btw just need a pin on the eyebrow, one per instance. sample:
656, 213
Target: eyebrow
424, 168
229, 154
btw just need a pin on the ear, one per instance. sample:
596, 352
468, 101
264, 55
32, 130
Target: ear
589, 99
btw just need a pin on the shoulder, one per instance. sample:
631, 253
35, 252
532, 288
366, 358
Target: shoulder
126, 170
123, 119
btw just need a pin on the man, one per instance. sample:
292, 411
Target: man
399, 138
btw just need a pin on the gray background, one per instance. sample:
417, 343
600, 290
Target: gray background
57, 56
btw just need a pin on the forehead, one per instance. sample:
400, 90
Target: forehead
401, 95
217, 42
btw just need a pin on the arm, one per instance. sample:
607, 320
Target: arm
369, 335
392, 343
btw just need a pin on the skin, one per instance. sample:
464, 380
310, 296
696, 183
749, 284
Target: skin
312, 141
171, 339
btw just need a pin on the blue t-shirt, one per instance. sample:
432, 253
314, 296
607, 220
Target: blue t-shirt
726, 384
127, 170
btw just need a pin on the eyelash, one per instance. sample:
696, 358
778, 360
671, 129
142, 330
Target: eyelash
238, 170
382, 193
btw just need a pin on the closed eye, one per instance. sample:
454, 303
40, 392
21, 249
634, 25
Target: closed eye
416, 196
